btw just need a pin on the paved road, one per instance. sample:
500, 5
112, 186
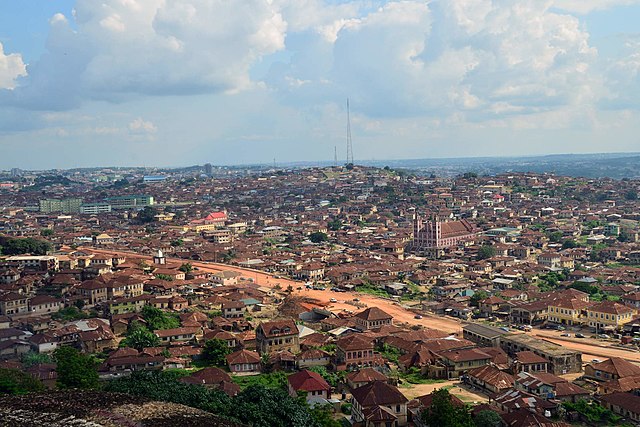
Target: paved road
591, 349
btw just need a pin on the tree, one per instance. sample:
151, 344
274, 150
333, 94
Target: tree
32, 358
631, 195
486, 251
46, 232
555, 237
177, 242
569, 244
215, 352
334, 225
477, 297
139, 337
157, 319
14, 381
487, 419
147, 215
75, 370
318, 237
443, 413
186, 268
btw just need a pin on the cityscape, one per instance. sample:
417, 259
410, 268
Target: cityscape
319, 213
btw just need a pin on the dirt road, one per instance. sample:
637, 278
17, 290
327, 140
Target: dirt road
591, 349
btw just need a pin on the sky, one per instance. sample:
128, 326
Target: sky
86, 83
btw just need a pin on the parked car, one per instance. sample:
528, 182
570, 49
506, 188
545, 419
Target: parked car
504, 328
595, 360
417, 316
604, 336
579, 335
560, 328
356, 299
565, 335
333, 300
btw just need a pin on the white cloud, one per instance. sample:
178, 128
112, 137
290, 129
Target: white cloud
152, 47
11, 67
587, 6
140, 126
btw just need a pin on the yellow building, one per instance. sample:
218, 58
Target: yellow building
568, 311
609, 313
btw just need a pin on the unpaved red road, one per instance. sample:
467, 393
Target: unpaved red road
591, 349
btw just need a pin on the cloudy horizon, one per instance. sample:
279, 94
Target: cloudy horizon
169, 83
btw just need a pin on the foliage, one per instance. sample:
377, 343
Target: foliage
69, 313
389, 352
75, 370
631, 195
32, 358
270, 380
157, 319
555, 237
334, 225
186, 267
14, 381
165, 277
486, 252
487, 419
332, 377
46, 232
443, 413
477, 297
413, 376
19, 246
569, 244
147, 215
593, 412
139, 337
322, 415
256, 405
318, 237
346, 408
370, 289
215, 352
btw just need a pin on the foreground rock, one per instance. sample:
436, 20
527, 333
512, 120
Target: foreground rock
96, 409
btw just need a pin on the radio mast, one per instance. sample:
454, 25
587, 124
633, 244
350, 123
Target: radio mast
349, 142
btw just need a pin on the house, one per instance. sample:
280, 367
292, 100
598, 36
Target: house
378, 404
315, 387
529, 313
313, 357
528, 361
483, 335
177, 335
568, 311
354, 352
513, 400
421, 403
372, 317
549, 386
244, 361
226, 278
491, 305
561, 359
277, 336
214, 378
611, 369
233, 309
609, 314
93, 291
526, 417
41, 304
12, 303
489, 378
457, 362
624, 404
119, 362
364, 376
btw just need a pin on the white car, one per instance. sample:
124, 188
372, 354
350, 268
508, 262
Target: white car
333, 300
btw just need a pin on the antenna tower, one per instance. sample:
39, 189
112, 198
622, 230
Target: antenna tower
349, 142
335, 155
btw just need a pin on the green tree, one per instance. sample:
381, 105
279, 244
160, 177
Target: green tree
318, 237
186, 268
139, 336
477, 297
323, 416
443, 413
32, 358
487, 419
14, 381
486, 252
569, 244
75, 370
46, 232
555, 237
215, 352
147, 215
334, 225
158, 319
177, 242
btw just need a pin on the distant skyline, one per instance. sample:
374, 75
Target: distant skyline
87, 83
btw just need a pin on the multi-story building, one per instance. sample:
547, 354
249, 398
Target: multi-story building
378, 404
355, 352
130, 202
433, 236
95, 208
278, 335
561, 359
70, 205
12, 303
568, 311
609, 314
35, 262
372, 317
